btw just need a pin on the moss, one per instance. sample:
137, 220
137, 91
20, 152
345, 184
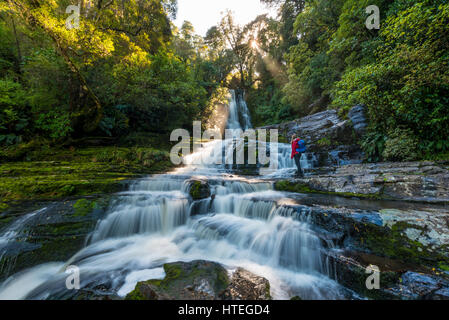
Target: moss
66, 229
268, 292
195, 190
199, 190
443, 266
3, 206
5, 221
393, 243
324, 142
59, 249
83, 207
178, 277
295, 298
87, 171
136, 294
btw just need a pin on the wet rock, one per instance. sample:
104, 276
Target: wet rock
358, 119
418, 286
201, 280
315, 127
395, 280
197, 280
198, 189
350, 271
246, 286
56, 232
412, 181
332, 139
414, 233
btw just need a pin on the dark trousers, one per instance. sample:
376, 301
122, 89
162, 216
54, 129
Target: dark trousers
298, 162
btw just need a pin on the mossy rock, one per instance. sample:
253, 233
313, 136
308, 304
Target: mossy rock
56, 234
299, 187
197, 280
393, 243
199, 190
83, 207
57, 173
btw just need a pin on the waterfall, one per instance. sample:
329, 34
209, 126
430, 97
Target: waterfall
16, 230
243, 224
239, 117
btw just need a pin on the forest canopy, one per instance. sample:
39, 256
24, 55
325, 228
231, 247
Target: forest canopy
127, 68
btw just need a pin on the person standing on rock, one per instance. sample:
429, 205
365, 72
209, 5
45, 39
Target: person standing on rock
298, 148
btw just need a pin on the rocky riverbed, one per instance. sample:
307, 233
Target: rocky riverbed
272, 236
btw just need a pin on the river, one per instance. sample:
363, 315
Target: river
245, 224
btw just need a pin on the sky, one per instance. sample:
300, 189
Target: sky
204, 14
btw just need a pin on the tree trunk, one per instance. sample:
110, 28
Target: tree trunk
19, 51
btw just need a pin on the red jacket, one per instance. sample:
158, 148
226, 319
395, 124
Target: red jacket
295, 146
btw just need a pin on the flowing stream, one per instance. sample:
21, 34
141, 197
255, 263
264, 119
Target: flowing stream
245, 224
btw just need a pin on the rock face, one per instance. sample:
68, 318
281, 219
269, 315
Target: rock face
358, 119
395, 282
413, 181
202, 280
414, 229
198, 189
315, 127
55, 232
415, 286
246, 286
332, 139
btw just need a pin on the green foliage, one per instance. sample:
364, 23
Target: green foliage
374, 145
401, 145
311, 68
116, 74
12, 109
407, 85
128, 70
54, 124
267, 106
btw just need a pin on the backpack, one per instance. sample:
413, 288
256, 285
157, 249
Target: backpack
301, 146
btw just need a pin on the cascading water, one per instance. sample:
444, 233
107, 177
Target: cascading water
239, 117
244, 224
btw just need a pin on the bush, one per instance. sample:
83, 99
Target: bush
401, 145
373, 144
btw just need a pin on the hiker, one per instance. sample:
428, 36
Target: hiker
298, 148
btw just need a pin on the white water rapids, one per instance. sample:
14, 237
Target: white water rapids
245, 224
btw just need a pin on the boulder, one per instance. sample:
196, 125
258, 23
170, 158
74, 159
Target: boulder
246, 286
358, 119
202, 280
413, 232
396, 281
332, 139
418, 286
198, 189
